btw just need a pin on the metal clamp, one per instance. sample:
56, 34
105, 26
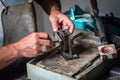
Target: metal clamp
66, 44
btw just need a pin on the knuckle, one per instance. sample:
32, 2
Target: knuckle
43, 35
46, 35
35, 47
34, 35
35, 52
35, 42
47, 42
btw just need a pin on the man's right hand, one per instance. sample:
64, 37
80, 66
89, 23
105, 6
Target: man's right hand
33, 44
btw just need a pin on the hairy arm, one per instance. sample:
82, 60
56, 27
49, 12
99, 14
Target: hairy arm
8, 54
49, 5
29, 46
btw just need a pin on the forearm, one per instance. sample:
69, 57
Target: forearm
8, 54
49, 5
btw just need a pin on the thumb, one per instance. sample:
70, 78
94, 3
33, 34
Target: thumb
55, 25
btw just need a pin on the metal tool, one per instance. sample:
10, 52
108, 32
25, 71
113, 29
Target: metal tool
99, 24
65, 41
108, 52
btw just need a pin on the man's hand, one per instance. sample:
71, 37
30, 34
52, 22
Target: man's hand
33, 44
60, 21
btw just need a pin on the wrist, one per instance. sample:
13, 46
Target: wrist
54, 10
16, 50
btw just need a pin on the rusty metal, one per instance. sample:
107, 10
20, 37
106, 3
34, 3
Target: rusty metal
66, 42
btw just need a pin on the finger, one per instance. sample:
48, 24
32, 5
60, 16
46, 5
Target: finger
38, 52
70, 26
46, 49
55, 25
65, 27
67, 24
48, 43
43, 49
43, 35
31, 52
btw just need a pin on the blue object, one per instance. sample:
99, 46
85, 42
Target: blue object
80, 18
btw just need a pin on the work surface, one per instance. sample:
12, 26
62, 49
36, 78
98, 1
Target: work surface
88, 66
57, 63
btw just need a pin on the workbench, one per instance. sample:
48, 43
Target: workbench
54, 67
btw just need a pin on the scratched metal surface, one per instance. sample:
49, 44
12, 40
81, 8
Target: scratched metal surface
57, 63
